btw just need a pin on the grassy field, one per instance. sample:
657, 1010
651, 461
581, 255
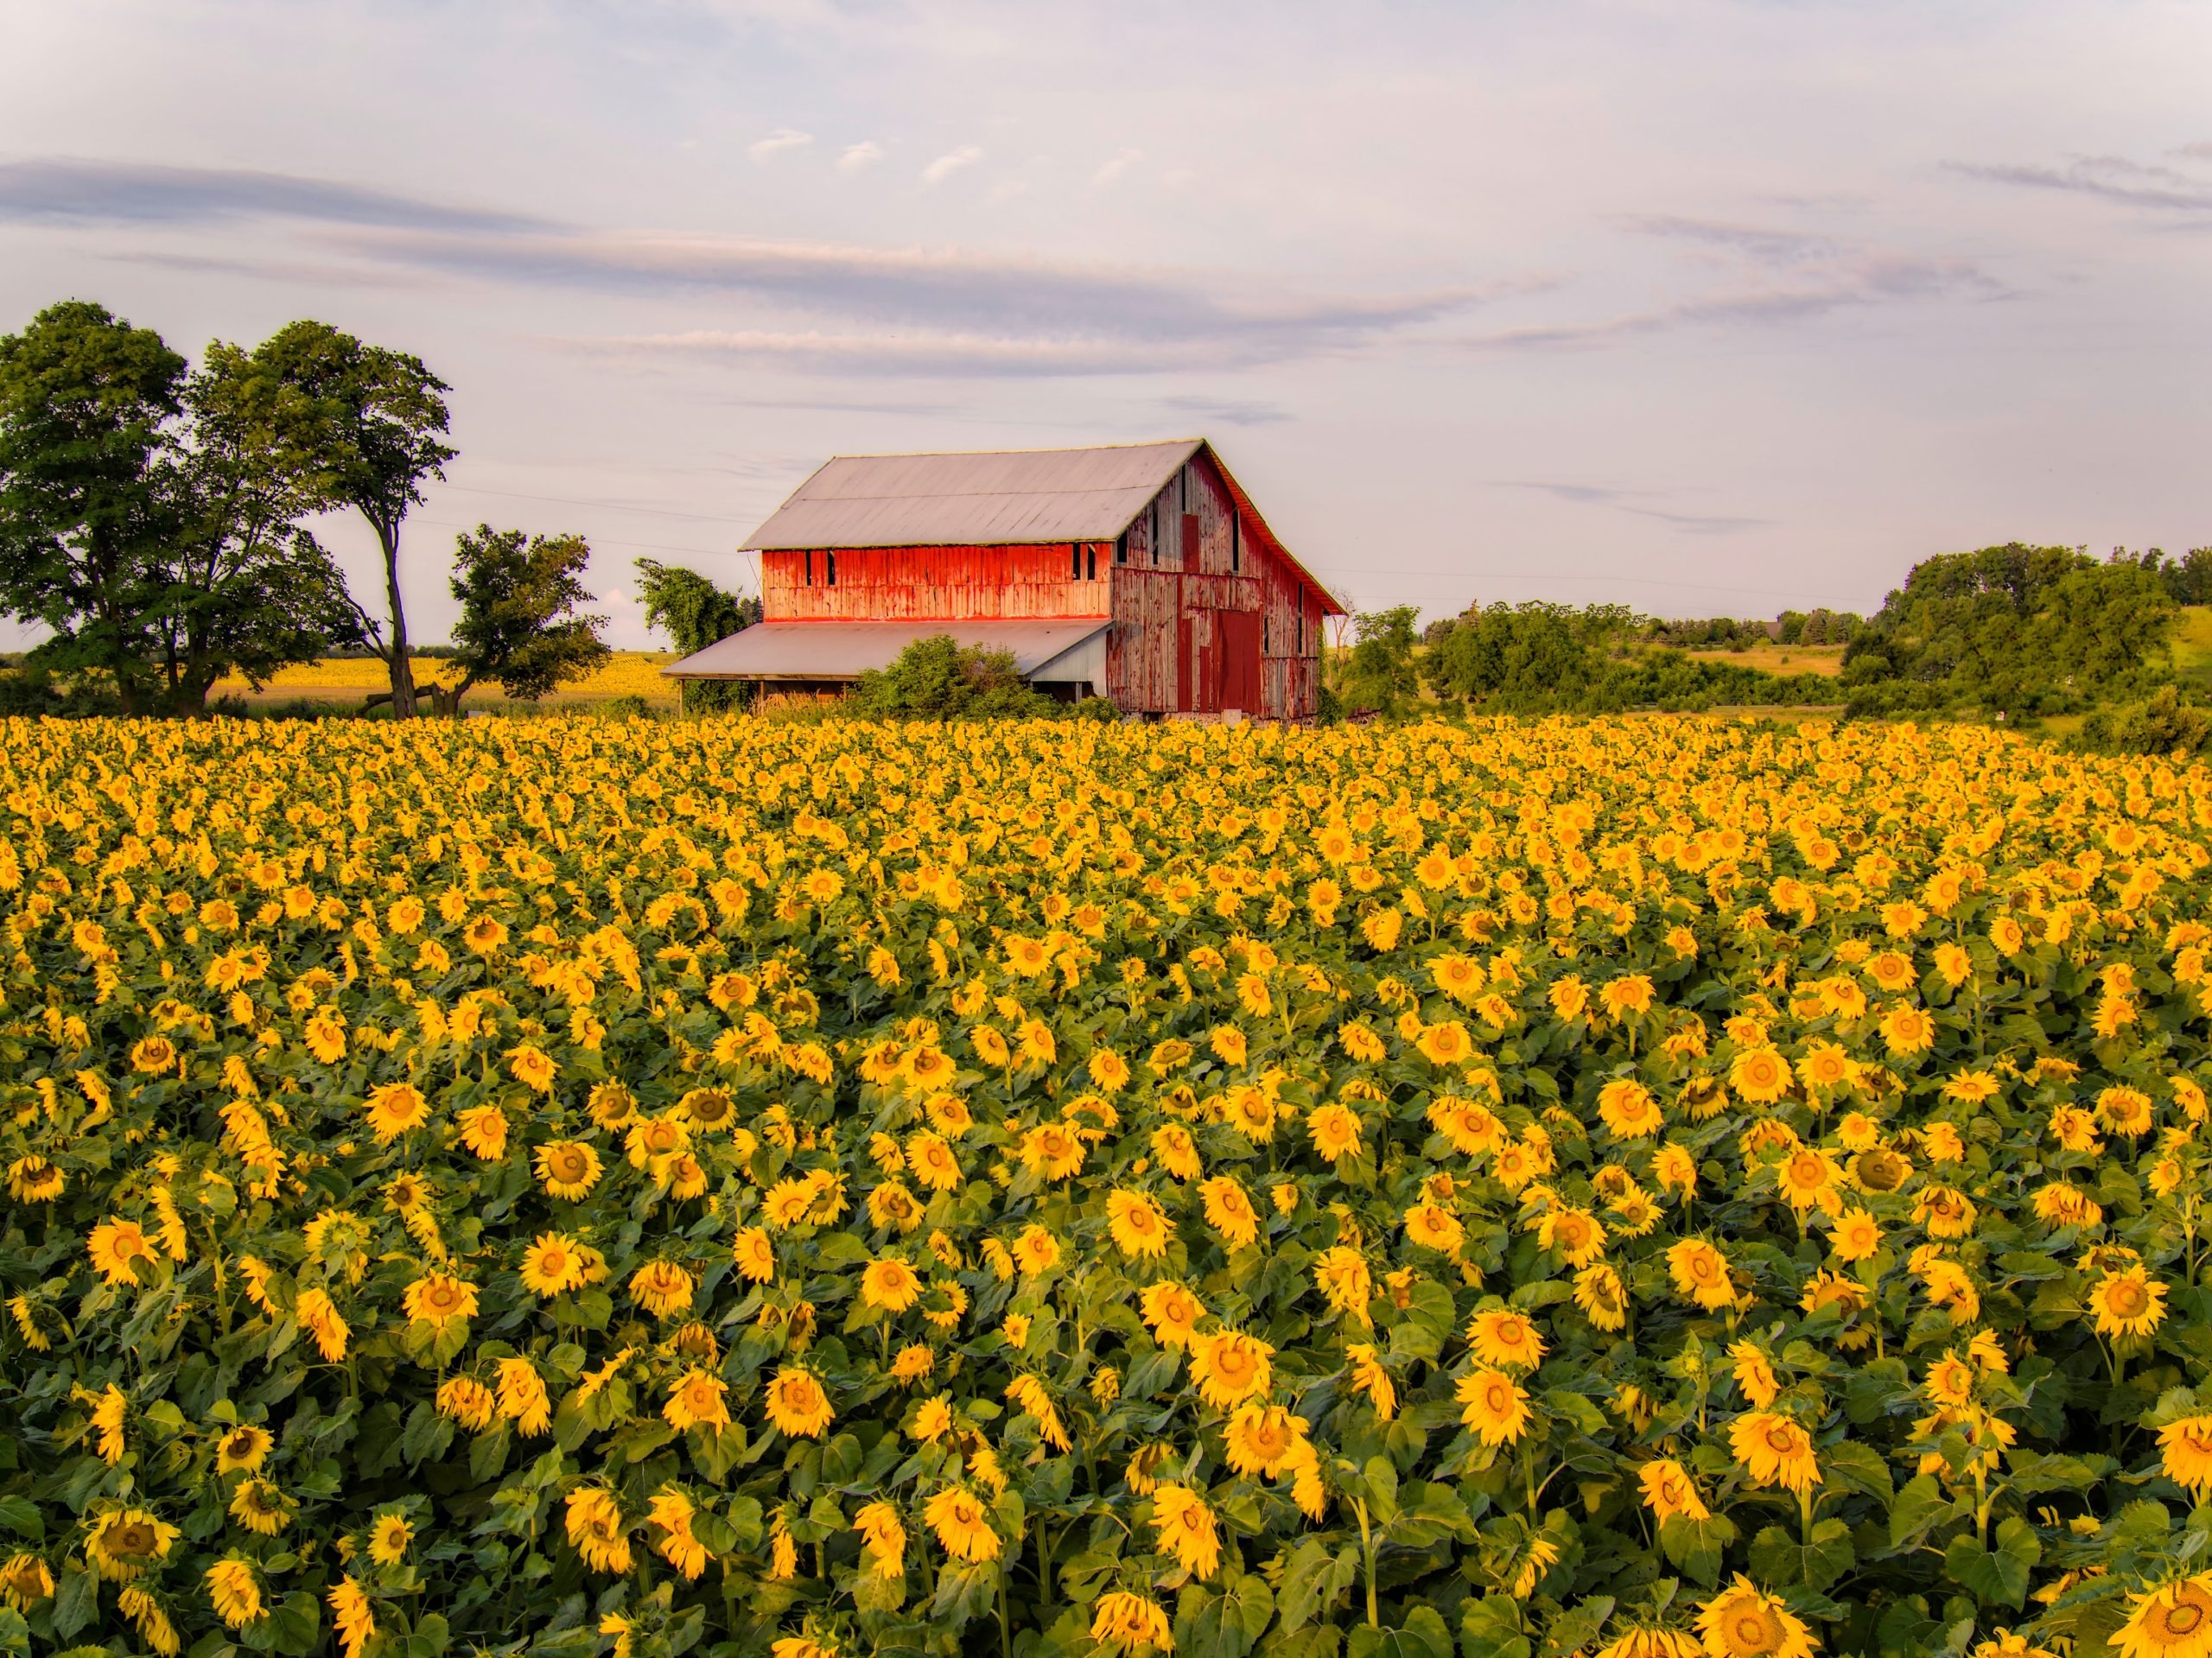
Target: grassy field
1824, 659
627, 673
2192, 643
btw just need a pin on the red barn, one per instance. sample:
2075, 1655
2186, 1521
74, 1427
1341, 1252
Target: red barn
1140, 572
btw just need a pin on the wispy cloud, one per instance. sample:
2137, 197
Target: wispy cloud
67, 190
950, 162
1116, 165
859, 156
2109, 178
1635, 502
1776, 275
776, 142
1229, 411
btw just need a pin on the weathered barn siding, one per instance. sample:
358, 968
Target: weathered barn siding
1209, 611
937, 583
1206, 617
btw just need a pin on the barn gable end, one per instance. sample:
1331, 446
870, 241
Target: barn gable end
1200, 609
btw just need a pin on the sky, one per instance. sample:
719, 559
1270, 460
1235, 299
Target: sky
1710, 307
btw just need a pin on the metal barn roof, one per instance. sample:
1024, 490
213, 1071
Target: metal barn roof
1011, 496
844, 650
996, 498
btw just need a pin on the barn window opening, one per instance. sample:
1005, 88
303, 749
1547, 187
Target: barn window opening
1121, 549
1237, 545
1263, 636
1090, 559
1301, 632
810, 570
1075, 562
830, 560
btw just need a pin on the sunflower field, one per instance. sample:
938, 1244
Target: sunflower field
1634, 1188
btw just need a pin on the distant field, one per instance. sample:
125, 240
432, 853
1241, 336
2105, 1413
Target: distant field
1825, 660
628, 673
2192, 643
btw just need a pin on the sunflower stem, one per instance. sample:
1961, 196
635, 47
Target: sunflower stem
1367, 1552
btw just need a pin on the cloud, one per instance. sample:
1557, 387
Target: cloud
1780, 276
67, 190
950, 162
906, 353
1631, 502
776, 142
2201, 152
616, 596
1229, 411
2109, 178
1117, 166
857, 156
289, 271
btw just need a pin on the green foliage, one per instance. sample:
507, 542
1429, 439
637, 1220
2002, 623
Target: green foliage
1542, 658
364, 423
87, 409
1379, 674
518, 627
2031, 629
939, 678
2163, 724
693, 612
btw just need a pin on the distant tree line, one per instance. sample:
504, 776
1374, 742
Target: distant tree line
154, 521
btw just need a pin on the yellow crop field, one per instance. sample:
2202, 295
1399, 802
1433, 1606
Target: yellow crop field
625, 673
1825, 660
1641, 1187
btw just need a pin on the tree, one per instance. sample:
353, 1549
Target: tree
693, 612
365, 423
517, 626
246, 588
88, 407
1379, 674
938, 678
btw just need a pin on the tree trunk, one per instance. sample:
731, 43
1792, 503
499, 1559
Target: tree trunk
403, 673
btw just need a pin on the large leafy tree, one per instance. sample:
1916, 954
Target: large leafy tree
693, 612
246, 588
518, 626
88, 495
367, 424
1380, 671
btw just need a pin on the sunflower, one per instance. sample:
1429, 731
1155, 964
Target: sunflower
1186, 1530
1754, 1374
696, 1401
1229, 1211
883, 1538
2173, 1621
523, 1397
796, 1403
1172, 1311
1131, 1624
596, 1529
1230, 1367
2186, 1447
152, 1621
1602, 1297
388, 1539
34, 1181
1053, 1151
1176, 1151
483, 1132
115, 1247
755, 1252
1368, 1377
1036, 1251
25, 1580
2128, 1303
569, 1167
1775, 1450
394, 1108
661, 1288
124, 1542
1260, 1440
891, 1284
1668, 1491
440, 1299
467, 1402
673, 1513
1700, 1272
1629, 1109
243, 1449
1855, 1236
1577, 1234
1744, 1622
1759, 1075
1497, 1408
1434, 1228
1141, 1228
1653, 1644
1506, 1339
962, 1525
552, 1265
1334, 1130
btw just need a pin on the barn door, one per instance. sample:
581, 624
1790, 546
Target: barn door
1236, 661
